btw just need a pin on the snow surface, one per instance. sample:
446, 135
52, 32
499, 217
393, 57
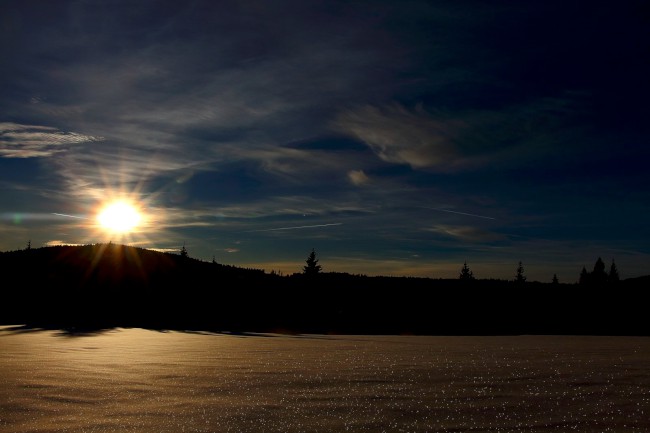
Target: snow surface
134, 380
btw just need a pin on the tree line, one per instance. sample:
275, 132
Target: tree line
107, 285
597, 277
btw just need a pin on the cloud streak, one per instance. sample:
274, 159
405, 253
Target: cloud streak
295, 227
467, 233
69, 216
459, 213
34, 141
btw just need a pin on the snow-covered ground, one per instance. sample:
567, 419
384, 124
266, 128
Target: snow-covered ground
133, 380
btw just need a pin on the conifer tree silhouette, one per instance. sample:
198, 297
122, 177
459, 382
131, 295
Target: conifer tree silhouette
465, 273
555, 280
520, 277
312, 267
184, 253
598, 276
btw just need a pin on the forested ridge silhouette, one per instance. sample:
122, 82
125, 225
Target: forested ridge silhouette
109, 285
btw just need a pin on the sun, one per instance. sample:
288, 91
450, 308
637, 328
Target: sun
119, 217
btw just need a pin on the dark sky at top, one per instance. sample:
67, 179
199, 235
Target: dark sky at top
395, 138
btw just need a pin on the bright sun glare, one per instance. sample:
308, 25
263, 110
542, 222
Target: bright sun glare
119, 217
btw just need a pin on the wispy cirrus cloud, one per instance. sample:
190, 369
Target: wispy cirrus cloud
403, 136
467, 233
33, 141
194, 126
169, 103
451, 141
295, 205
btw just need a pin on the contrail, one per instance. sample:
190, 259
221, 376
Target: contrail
459, 213
69, 216
295, 227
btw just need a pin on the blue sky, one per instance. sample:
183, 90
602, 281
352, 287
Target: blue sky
395, 138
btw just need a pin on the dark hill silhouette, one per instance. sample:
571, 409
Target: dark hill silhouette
107, 285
